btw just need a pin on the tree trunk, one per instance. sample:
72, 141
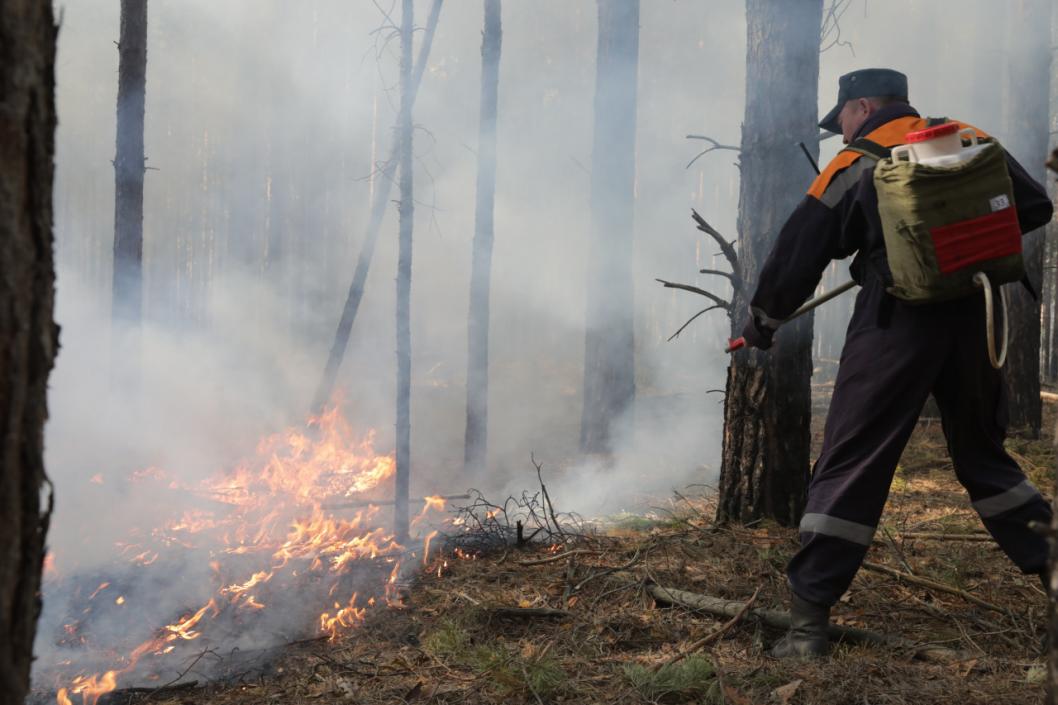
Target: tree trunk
609, 359
476, 441
1026, 121
406, 211
767, 410
374, 226
27, 281
130, 163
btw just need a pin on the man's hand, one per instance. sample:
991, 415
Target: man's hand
757, 334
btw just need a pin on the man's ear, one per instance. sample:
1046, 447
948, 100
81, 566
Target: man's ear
865, 105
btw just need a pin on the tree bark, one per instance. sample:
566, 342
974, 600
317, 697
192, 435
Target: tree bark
1026, 132
374, 226
767, 410
27, 282
406, 211
476, 440
130, 163
609, 356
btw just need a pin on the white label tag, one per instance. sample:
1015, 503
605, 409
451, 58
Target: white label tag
999, 203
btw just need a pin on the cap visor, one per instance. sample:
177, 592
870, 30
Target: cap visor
830, 122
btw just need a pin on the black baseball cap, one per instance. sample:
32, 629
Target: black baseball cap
865, 83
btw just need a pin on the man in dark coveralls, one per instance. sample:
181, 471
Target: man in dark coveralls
895, 355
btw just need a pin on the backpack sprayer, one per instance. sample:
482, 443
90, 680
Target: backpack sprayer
948, 220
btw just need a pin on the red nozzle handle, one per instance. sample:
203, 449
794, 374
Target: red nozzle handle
735, 344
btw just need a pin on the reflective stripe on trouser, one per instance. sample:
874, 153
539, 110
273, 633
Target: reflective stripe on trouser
885, 376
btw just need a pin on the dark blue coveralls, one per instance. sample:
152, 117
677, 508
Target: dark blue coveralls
895, 355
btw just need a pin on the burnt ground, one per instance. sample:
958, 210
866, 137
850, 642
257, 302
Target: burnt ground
453, 641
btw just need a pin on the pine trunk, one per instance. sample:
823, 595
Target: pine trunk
130, 163
609, 357
1026, 132
406, 212
476, 441
378, 210
27, 281
767, 411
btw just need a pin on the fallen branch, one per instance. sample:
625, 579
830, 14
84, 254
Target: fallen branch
360, 504
940, 536
781, 620
557, 557
713, 635
529, 613
932, 585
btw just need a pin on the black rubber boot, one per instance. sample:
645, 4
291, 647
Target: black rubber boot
807, 637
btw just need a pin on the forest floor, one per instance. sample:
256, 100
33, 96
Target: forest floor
573, 622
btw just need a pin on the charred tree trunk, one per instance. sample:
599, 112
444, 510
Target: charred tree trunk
767, 410
476, 440
407, 213
609, 358
1026, 121
130, 163
27, 281
374, 226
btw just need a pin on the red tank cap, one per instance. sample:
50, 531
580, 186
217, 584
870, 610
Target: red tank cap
931, 133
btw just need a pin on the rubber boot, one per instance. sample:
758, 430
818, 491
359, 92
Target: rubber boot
807, 637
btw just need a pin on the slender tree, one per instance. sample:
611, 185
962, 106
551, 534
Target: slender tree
1026, 135
374, 227
767, 409
407, 213
476, 441
609, 356
27, 282
130, 162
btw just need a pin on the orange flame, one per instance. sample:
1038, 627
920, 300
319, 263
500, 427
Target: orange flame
269, 510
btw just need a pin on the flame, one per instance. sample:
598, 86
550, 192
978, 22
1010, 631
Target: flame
265, 525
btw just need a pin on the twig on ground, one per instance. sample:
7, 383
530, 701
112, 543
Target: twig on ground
610, 571
932, 585
713, 635
558, 557
781, 620
529, 613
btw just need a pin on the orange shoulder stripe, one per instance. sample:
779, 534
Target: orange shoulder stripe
891, 134
839, 163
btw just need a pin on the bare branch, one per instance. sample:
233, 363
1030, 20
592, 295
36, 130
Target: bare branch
692, 319
830, 31
695, 290
716, 146
726, 247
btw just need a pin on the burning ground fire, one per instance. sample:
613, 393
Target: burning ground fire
262, 535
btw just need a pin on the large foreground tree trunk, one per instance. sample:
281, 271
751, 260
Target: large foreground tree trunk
476, 440
609, 359
1026, 135
767, 410
130, 163
407, 214
29, 335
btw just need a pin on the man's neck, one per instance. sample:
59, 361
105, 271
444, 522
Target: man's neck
883, 115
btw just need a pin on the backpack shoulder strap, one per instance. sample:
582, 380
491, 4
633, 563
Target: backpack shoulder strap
869, 148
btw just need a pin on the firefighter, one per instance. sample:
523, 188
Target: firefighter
896, 354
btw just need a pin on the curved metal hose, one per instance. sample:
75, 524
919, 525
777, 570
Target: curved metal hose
981, 280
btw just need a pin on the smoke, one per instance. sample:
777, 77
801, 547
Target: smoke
265, 125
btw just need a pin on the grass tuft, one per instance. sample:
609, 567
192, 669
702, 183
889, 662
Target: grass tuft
693, 677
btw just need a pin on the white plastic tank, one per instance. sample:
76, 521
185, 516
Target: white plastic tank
939, 146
